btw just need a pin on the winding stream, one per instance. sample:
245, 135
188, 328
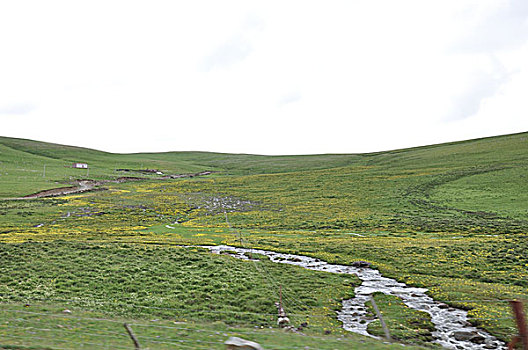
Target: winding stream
448, 321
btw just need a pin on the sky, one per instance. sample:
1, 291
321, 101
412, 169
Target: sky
262, 77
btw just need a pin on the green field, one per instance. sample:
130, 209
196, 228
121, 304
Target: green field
452, 218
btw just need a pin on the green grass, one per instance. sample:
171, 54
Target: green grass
172, 296
168, 282
488, 193
22, 161
42, 326
29, 166
397, 317
448, 217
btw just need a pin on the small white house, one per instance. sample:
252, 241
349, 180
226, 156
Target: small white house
80, 165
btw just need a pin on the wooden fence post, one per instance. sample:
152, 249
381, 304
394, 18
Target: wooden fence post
280, 297
378, 313
520, 319
133, 336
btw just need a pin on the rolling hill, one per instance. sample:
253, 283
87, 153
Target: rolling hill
452, 218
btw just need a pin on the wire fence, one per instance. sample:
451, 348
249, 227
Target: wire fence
261, 270
285, 292
101, 332
307, 316
23, 320
126, 302
24, 329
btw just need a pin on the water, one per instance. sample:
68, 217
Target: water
354, 316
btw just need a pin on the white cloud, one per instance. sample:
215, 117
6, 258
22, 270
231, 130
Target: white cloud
500, 25
290, 98
17, 108
262, 77
480, 86
227, 54
236, 48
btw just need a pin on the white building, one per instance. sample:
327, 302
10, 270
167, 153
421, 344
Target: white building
80, 165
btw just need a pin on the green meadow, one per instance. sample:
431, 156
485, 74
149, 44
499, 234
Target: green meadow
452, 218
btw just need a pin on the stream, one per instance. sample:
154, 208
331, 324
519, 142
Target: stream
453, 331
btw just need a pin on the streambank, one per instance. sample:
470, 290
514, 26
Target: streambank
452, 329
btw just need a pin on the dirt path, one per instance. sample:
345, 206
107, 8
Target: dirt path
85, 185
80, 186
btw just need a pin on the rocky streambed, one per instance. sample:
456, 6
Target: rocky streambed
453, 331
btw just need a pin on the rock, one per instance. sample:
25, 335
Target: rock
478, 339
473, 337
463, 336
236, 343
292, 329
361, 264
283, 321
66, 311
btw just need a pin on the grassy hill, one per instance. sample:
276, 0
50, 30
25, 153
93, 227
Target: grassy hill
22, 161
451, 217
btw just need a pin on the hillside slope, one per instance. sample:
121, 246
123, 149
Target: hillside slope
451, 218
29, 166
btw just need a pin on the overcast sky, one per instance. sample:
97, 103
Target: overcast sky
265, 77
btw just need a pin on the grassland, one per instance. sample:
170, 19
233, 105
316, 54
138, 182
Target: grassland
451, 217
393, 311
48, 327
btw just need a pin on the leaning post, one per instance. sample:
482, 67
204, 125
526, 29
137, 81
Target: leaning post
383, 324
520, 319
132, 336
